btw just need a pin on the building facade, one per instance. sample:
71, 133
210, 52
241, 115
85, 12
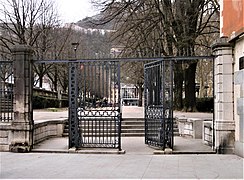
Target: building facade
229, 78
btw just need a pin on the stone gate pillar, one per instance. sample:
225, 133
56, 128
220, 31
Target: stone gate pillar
22, 124
224, 96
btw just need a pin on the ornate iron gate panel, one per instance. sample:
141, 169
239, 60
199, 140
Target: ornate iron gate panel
95, 112
6, 91
159, 104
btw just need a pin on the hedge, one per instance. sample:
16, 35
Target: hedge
43, 102
205, 104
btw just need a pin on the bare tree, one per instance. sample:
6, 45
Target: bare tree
28, 22
25, 20
168, 28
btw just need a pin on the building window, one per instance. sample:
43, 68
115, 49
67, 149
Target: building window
241, 63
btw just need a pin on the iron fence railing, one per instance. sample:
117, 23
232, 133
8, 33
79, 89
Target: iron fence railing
6, 91
94, 110
158, 94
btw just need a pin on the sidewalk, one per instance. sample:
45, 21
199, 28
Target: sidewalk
127, 112
129, 166
181, 145
137, 163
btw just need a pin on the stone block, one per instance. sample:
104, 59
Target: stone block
20, 147
207, 132
218, 61
4, 147
224, 83
197, 128
219, 114
224, 58
51, 127
239, 150
224, 115
226, 68
60, 129
191, 127
220, 107
224, 141
181, 124
3, 141
168, 151
239, 77
4, 133
224, 97
224, 125
240, 106
228, 114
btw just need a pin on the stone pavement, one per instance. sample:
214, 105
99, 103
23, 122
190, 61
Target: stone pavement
129, 166
137, 163
131, 145
181, 145
127, 112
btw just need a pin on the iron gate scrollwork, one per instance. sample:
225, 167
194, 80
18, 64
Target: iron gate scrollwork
95, 113
159, 103
6, 91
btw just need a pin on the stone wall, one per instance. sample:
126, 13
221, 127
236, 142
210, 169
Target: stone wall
5, 132
42, 131
48, 129
224, 124
239, 97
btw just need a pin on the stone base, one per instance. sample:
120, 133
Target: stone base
239, 148
166, 151
225, 150
20, 147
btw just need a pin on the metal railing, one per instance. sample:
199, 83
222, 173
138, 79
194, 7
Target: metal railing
94, 110
6, 91
159, 104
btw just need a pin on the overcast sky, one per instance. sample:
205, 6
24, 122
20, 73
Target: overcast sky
75, 10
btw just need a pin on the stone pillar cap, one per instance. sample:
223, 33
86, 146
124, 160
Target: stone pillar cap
21, 48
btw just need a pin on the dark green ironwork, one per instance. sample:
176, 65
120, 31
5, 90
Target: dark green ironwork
6, 91
95, 113
158, 93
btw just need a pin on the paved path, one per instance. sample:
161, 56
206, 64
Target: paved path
127, 112
132, 145
95, 166
138, 162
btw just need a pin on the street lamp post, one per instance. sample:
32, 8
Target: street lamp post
75, 46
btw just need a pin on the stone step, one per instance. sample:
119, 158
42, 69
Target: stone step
130, 127
132, 134
132, 122
133, 126
132, 130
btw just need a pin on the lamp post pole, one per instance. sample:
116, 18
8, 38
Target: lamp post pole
75, 46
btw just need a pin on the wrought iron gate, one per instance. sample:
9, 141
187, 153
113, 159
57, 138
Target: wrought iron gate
159, 103
6, 91
94, 109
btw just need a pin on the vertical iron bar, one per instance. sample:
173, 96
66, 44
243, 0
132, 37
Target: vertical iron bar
171, 103
100, 96
145, 102
164, 105
74, 136
103, 82
85, 103
120, 112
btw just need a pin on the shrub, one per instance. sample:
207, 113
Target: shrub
205, 104
40, 102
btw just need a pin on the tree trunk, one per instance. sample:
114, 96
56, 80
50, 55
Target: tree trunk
40, 80
190, 88
140, 91
55, 81
178, 81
